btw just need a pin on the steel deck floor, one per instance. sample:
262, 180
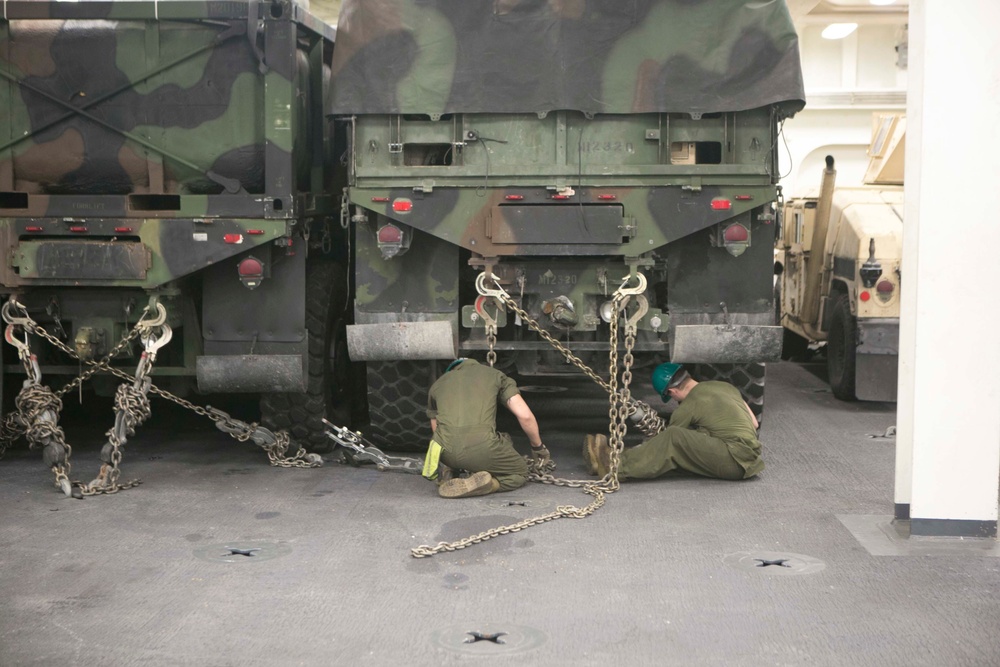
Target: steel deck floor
669, 572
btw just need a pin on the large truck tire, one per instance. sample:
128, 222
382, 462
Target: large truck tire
397, 404
841, 347
748, 378
328, 386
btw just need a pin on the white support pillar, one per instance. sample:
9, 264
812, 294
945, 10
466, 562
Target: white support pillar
948, 438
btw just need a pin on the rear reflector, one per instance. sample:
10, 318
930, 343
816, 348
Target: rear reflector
865, 296
123, 230
233, 238
380, 199
514, 197
607, 197
33, 229
743, 197
721, 204
78, 229
390, 234
402, 206
736, 233
255, 232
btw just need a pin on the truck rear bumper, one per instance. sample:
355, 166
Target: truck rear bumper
877, 359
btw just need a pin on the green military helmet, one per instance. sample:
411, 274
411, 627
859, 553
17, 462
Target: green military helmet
665, 376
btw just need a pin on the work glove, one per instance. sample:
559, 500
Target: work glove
542, 457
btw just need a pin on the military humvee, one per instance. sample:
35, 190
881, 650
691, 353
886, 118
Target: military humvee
839, 270
176, 151
561, 147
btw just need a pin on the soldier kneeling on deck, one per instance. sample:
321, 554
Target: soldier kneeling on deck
712, 433
462, 407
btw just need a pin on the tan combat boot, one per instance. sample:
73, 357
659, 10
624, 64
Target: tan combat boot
478, 484
597, 454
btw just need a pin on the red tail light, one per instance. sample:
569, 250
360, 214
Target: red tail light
233, 238
721, 204
884, 290
402, 206
390, 234
251, 272
736, 233
251, 267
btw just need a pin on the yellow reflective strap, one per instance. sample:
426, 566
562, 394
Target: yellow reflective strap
430, 470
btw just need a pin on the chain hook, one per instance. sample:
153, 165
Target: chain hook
633, 291
632, 323
481, 287
153, 343
158, 320
11, 337
10, 318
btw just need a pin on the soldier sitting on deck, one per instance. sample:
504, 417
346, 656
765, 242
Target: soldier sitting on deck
462, 406
712, 433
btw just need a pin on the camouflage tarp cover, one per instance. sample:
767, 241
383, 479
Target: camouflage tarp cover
596, 56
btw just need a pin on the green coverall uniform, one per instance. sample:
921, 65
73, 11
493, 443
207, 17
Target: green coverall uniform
464, 403
710, 434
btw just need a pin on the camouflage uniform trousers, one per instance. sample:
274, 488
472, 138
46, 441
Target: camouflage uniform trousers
495, 455
684, 449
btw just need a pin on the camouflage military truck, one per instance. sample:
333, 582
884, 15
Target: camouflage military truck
839, 260
177, 151
561, 147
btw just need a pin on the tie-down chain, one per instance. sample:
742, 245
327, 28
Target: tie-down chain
645, 417
621, 405
360, 450
38, 407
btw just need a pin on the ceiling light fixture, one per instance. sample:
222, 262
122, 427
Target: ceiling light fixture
839, 30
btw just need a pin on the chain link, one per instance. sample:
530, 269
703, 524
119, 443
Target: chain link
618, 412
650, 423
491, 338
132, 409
36, 418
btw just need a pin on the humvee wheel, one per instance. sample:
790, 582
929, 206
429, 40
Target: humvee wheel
748, 378
327, 385
397, 404
841, 346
